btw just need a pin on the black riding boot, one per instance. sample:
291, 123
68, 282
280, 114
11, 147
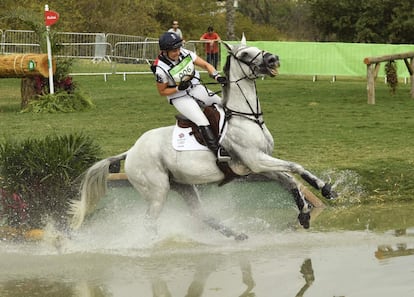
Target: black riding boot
212, 143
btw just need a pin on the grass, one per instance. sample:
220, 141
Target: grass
321, 125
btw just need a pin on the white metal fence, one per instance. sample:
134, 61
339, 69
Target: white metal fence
19, 41
95, 46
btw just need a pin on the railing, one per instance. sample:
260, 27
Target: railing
97, 47
19, 42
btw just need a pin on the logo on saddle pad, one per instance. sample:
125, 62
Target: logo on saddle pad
186, 135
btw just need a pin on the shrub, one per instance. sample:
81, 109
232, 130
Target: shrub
39, 176
59, 102
67, 98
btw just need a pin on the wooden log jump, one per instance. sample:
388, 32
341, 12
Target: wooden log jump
24, 65
373, 65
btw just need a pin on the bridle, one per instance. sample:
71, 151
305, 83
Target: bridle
255, 114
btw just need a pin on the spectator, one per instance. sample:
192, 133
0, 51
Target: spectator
175, 29
211, 46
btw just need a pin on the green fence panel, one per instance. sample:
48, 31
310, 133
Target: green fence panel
330, 58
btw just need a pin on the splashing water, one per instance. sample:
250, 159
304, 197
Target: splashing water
346, 184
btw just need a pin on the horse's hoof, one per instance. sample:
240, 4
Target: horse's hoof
241, 237
328, 193
304, 219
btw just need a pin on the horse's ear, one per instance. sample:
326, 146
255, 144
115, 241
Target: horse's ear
228, 46
243, 40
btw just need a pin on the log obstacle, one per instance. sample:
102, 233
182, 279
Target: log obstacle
373, 66
24, 65
18, 234
310, 197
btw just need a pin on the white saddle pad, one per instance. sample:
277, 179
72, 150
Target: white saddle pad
184, 140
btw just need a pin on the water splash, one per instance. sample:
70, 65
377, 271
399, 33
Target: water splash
346, 184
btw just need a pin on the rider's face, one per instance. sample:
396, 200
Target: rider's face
173, 54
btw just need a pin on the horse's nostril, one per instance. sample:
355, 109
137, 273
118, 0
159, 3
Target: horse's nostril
271, 59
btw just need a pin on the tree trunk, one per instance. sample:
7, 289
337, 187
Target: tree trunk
230, 19
28, 90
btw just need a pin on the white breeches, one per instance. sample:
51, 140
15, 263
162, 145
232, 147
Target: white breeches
188, 106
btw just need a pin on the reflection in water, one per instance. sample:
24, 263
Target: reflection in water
175, 270
46, 288
205, 267
307, 272
401, 249
387, 251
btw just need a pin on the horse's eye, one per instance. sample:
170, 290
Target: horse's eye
244, 56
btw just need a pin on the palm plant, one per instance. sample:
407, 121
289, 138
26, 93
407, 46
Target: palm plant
39, 176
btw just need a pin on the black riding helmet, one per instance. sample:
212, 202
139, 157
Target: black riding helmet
169, 41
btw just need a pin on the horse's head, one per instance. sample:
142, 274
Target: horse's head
258, 61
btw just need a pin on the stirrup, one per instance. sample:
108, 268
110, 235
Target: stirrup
223, 155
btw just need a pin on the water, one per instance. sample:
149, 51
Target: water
111, 255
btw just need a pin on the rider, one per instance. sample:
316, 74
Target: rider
178, 79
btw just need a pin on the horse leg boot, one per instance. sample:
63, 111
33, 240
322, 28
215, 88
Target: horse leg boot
212, 143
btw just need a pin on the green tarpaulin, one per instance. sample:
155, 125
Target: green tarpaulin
327, 58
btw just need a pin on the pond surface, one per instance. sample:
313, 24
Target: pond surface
112, 255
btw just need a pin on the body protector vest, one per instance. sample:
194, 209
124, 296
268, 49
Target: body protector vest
173, 73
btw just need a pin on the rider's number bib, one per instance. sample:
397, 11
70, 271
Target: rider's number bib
184, 70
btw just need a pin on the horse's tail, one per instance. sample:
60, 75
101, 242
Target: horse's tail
93, 188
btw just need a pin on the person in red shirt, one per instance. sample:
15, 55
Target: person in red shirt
211, 40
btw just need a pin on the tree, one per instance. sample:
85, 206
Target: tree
230, 20
292, 18
372, 21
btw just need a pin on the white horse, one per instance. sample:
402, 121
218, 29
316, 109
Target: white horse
154, 167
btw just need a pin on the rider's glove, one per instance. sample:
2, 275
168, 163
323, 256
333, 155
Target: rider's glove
221, 79
183, 85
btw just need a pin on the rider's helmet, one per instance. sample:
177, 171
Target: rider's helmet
169, 41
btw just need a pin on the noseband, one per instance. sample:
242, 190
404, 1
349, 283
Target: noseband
249, 64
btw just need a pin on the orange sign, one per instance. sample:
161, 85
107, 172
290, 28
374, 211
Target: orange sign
51, 17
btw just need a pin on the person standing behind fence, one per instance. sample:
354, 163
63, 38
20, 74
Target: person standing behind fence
175, 29
211, 46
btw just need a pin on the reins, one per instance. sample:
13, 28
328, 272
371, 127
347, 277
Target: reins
247, 115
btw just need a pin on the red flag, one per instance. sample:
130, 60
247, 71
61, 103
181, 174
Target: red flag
51, 17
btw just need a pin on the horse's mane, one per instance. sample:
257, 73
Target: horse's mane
226, 67
226, 70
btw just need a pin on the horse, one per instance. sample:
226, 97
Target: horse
154, 167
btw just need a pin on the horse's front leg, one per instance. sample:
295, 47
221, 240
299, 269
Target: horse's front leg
260, 162
289, 183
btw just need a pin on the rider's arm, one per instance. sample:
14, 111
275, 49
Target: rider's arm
165, 90
206, 66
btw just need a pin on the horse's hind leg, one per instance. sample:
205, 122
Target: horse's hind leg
192, 199
155, 192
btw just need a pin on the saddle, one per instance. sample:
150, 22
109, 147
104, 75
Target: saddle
213, 117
